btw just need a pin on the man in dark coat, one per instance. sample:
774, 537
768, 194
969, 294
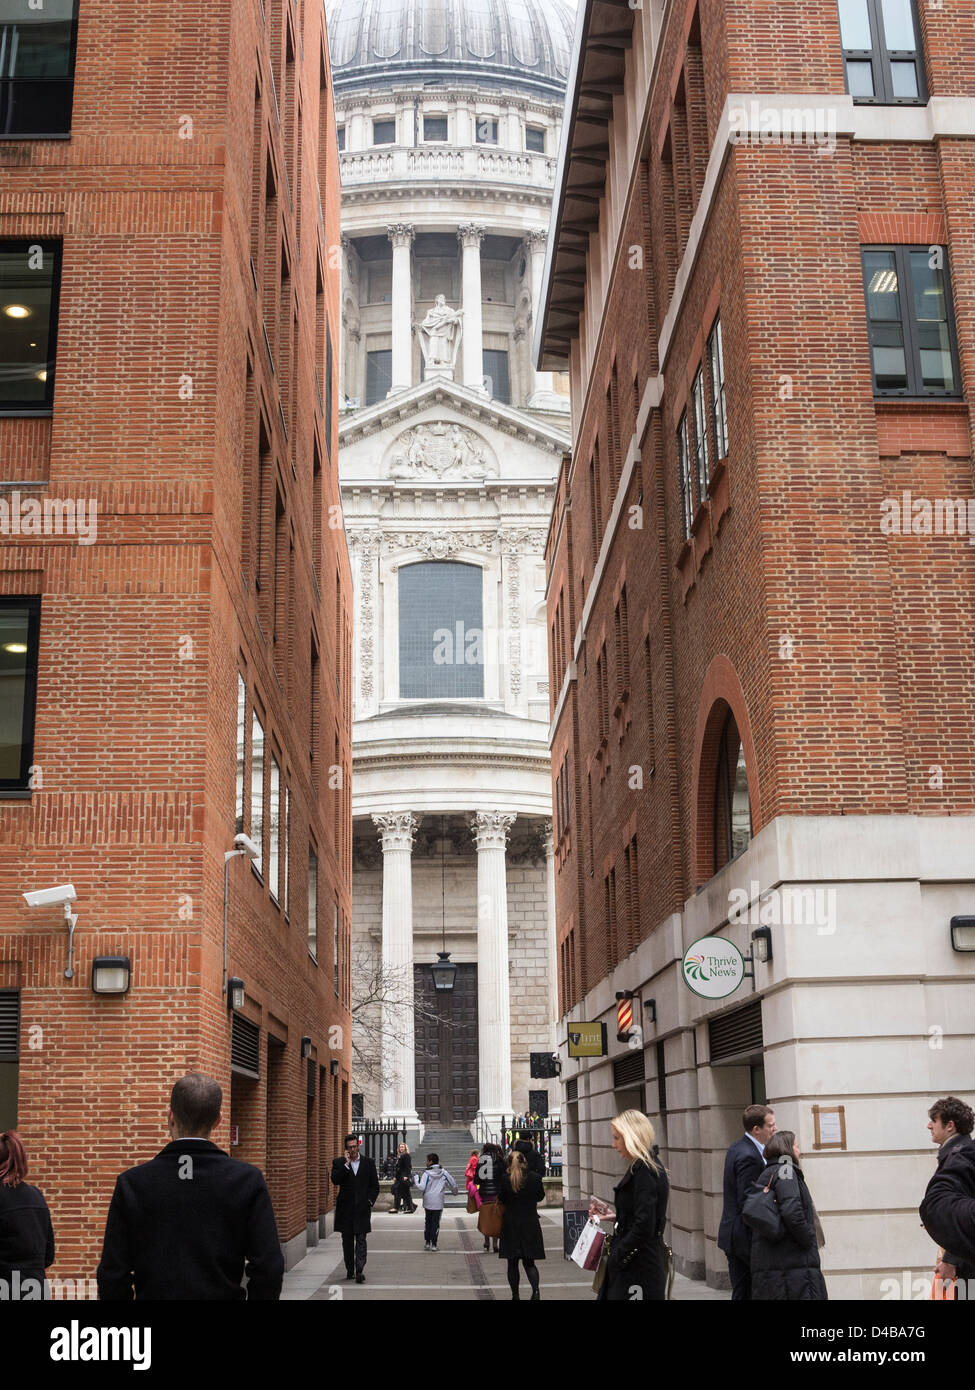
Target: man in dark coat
743, 1163
356, 1178
948, 1209
535, 1161
191, 1222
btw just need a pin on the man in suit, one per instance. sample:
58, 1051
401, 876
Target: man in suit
948, 1209
192, 1221
356, 1178
742, 1165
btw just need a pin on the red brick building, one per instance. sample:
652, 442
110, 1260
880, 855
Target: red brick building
760, 594
174, 595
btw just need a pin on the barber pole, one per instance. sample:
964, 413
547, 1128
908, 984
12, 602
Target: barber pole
624, 1017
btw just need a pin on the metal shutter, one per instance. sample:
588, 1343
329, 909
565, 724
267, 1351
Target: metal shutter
9, 1025
628, 1070
245, 1047
737, 1032
572, 1088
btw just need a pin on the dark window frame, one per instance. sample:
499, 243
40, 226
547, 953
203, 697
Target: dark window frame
684, 475
384, 121
55, 247
429, 139
21, 784
914, 390
493, 125
880, 58
536, 130
7, 82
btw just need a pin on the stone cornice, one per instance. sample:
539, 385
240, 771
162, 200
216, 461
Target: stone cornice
508, 419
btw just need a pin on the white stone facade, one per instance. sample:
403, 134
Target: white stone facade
450, 444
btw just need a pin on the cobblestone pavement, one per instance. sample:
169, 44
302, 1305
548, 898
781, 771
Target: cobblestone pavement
399, 1267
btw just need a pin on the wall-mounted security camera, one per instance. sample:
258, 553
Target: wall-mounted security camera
246, 844
52, 897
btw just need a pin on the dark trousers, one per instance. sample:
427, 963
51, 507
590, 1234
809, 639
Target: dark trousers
402, 1195
354, 1250
741, 1279
431, 1225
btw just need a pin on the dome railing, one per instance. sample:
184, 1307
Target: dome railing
401, 162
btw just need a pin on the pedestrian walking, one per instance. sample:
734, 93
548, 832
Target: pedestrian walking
536, 1164
490, 1164
192, 1221
788, 1268
743, 1163
520, 1191
948, 1208
26, 1232
434, 1182
355, 1176
403, 1181
637, 1263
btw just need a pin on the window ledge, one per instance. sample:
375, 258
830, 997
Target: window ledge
718, 472
700, 517
26, 412
911, 403
16, 793
257, 873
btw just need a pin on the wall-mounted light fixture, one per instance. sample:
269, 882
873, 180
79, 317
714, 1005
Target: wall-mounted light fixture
650, 1007
111, 975
333, 1066
235, 993
306, 1047
762, 937
963, 933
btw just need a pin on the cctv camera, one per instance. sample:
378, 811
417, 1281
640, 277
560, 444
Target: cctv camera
52, 897
245, 843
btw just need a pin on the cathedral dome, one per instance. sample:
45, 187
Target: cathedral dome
376, 43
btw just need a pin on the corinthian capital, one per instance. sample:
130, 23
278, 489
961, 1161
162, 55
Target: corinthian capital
537, 238
401, 233
470, 234
396, 830
491, 828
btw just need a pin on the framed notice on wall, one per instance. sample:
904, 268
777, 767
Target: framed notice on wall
830, 1126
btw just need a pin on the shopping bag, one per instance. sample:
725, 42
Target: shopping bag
589, 1246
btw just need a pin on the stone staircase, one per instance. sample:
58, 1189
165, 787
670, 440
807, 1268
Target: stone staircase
454, 1148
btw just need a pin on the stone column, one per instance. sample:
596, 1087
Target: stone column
401, 235
552, 952
470, 236
396, 832
544, 396
493, 1004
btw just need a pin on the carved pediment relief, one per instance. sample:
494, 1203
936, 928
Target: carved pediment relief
441, 449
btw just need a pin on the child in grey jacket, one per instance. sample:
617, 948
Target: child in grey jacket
432, 1184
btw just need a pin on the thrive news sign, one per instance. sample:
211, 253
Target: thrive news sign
713, 967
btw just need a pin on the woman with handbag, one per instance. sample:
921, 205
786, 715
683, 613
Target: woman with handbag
489, 1166
520, 1191
787, 1268
402, 1186
637, 1262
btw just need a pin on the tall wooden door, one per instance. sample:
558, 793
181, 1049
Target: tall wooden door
446, 1048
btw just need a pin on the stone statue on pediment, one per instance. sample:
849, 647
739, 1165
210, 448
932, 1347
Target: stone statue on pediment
440, 335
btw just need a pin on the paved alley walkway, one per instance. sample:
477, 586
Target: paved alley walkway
399, 1267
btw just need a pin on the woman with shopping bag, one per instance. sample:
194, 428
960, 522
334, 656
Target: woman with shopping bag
489, 1213
636, 1267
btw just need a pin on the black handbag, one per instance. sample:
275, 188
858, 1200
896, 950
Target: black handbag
760, 1212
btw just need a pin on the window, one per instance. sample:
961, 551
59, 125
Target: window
257, 792
29, 283
434, 127
732, 808
287, 851
496, 375
312, 903
340, 136
36, 68
716, 361
379, 375
329, 373
684, 465
911, 323
274, 832
487, 131
535, 139
19, 624
335, 947
441, 637
384, 132
622, 633
700, 435
881, 51
241, 737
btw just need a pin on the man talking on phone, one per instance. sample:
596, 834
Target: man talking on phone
356, 1178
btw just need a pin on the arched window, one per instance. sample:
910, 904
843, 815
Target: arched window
441, 638
732, 808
